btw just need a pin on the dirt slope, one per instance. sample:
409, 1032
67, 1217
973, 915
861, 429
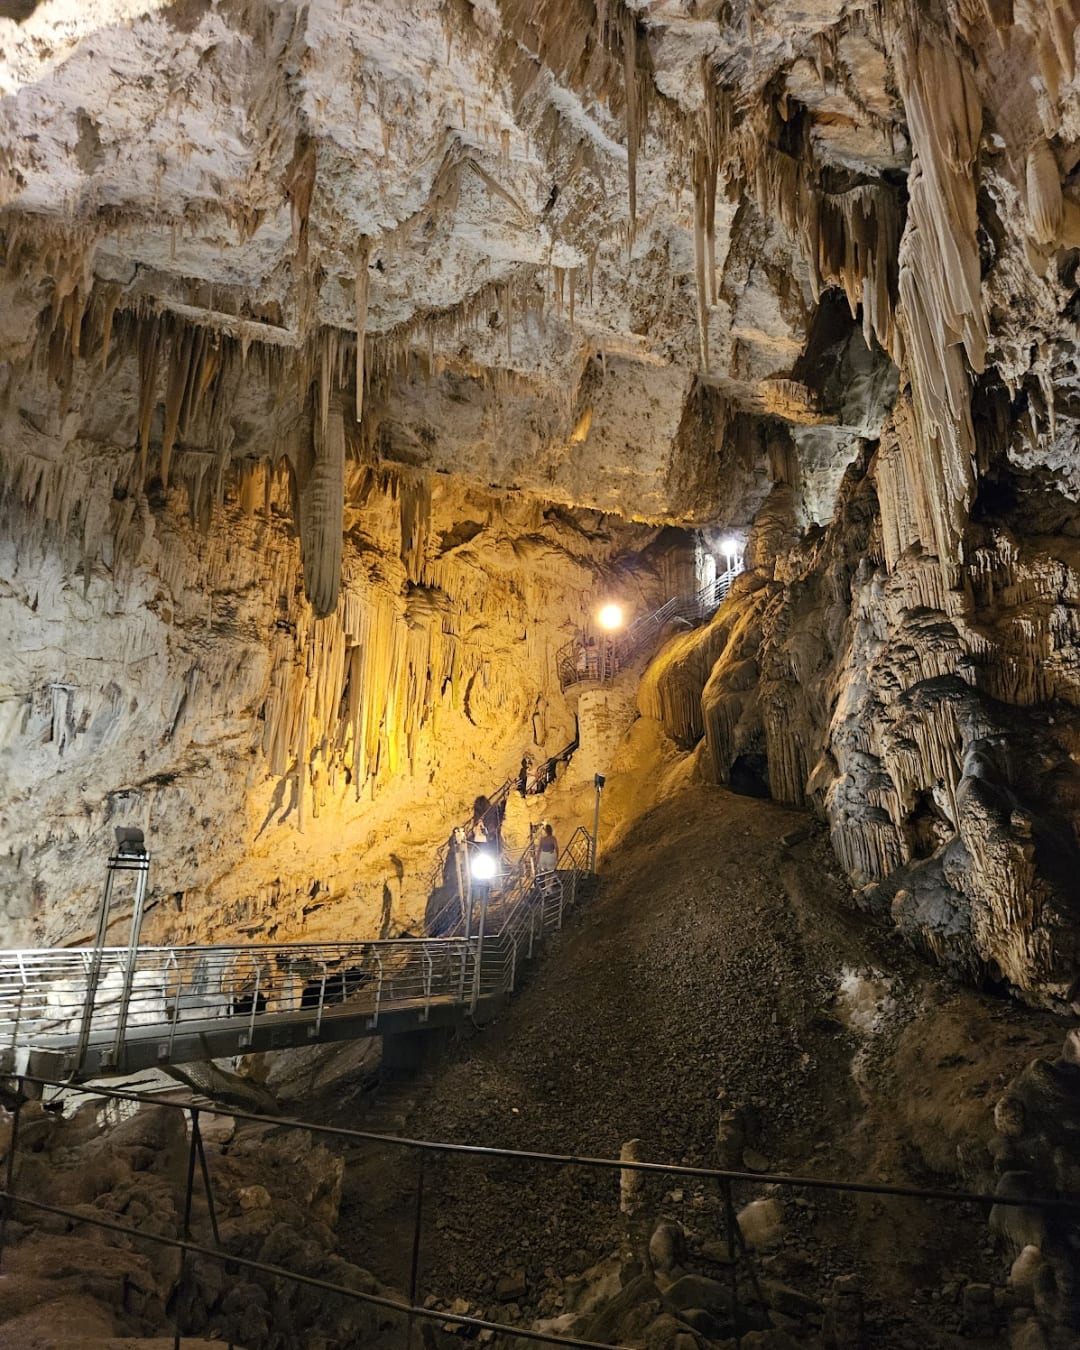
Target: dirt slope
714, 959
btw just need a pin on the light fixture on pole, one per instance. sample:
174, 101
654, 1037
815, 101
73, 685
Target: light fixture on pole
610, 617
729, 546
483, 866
130, 856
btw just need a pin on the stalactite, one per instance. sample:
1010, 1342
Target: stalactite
148, 346
321, 509
700, 268
361, 296
1045, 204
633, 111
179, 369
110, 300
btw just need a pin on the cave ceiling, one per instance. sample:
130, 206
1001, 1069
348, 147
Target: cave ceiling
501, 198
348, 349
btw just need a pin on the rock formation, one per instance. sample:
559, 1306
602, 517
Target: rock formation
347, 352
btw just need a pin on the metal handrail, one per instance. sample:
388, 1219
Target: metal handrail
149, 995
414, 1307
575, 665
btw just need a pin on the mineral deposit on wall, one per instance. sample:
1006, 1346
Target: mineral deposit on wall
347, 352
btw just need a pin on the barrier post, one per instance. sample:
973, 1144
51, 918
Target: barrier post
9, 1180
414, 1269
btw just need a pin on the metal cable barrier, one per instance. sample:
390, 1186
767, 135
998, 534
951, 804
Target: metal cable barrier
86, 1011
577, 662
412, 1310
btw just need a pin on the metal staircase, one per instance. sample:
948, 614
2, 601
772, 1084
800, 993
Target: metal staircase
580, 661
86, 1012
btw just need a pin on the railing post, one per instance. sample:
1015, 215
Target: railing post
598, 782
255, 1003
9, 1180
322, 999
731, 1225
94, 973
196, 1136
414, 1270
373, 1021
428, 976
464, 880
176, 1003
140, 864
479, 957
189, 1187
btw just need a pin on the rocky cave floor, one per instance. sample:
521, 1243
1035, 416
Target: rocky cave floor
718, 1000
717, 972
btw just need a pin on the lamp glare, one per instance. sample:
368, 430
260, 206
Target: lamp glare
610, 617
482, 866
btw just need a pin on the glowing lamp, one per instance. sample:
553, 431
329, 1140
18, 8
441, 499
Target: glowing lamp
482, 866
730, 547
610, 617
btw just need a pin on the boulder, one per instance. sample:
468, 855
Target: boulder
761, 1223
1024, 1274
699, 1291
667, 1247
511, 1287
669, 1333
788, 1301
605, 1323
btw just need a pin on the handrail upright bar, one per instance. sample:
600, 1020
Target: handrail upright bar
428, 975
96, 957
254, 1003
374, 1020
322, 999
176, 1001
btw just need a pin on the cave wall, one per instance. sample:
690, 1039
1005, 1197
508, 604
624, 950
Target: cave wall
340, 347
166, 667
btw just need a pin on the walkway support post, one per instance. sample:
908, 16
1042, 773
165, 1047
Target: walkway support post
598, 782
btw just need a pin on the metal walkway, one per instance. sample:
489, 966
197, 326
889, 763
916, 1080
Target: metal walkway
582, 661
93, 1011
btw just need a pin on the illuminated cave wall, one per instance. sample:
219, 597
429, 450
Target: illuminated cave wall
335, 341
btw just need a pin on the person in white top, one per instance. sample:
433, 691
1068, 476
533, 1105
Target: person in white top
547, 857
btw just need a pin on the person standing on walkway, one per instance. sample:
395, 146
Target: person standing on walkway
547, 858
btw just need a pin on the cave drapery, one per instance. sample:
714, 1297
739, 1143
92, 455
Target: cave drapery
348, 351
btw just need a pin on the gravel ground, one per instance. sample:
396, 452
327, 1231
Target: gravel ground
709, 963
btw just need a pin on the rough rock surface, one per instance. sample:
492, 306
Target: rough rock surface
755, 999
321, 326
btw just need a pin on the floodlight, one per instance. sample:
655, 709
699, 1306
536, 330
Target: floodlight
610, 617
482, 865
